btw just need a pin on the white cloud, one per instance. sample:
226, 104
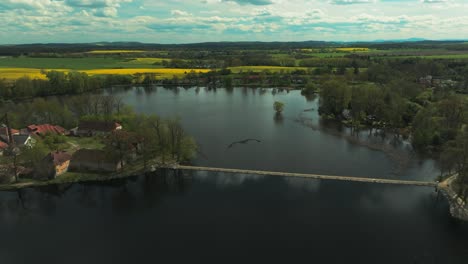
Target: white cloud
193, 21
177, 12
350, 2
434, 1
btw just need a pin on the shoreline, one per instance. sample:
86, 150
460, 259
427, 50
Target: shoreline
458, 207
83, 177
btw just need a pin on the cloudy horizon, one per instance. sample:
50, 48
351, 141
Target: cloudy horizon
177, 21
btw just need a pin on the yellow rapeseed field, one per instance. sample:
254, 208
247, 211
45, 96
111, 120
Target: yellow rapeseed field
163, 72
15, 73
352, 49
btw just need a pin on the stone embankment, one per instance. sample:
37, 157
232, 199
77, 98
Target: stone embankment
310, 176
458, 206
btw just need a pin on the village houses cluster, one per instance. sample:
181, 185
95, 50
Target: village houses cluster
58, 162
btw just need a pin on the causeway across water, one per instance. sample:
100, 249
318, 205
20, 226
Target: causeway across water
307, 175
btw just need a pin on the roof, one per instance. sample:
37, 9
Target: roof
45, 129
92, 155
3, 145
3, 131
20, 139
103, 126
58, 157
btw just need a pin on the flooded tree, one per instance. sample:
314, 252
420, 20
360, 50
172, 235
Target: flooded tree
278, 107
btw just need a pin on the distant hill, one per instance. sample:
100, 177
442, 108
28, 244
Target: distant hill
399, 40
14, 50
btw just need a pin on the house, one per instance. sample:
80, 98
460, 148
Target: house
3, 147
24, 140
94, 160
134, 143
18, 141
4, 131
426, 80
55, 164
91, 128
42, 130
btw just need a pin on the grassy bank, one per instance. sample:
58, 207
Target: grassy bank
135, 168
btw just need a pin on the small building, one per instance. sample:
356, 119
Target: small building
4, 131
98, 127
55, 164
44, 129
426, 80
3, 147
94, 160
24, 140
5, 134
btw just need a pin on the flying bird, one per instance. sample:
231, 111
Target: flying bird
245, 141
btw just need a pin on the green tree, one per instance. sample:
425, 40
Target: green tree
278, 107
455, 155
334, 97
33, 157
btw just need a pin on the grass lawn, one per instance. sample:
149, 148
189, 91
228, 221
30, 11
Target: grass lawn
446, 56
81, 63
63, 63
75, 143
265, 68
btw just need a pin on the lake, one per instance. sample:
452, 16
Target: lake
198, 216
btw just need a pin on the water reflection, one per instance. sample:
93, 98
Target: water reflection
124, 195
302, 184
226, 179
191, 217
278, 117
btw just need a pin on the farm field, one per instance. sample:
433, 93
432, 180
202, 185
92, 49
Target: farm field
79, 63
264, 68
161, 73
105, 62
114, 51
445, 56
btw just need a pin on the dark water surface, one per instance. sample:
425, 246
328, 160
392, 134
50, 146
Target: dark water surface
200, 217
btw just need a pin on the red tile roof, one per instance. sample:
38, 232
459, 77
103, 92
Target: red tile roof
3, 131
45, 129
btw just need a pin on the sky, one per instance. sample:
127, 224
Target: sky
182, 21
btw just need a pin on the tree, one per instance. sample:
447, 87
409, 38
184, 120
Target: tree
455, 156
58, 81
334, 97
278, 107
181, 145
54, 141
118, 145
33, 157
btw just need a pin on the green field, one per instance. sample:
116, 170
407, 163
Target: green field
79, 63
447, 56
